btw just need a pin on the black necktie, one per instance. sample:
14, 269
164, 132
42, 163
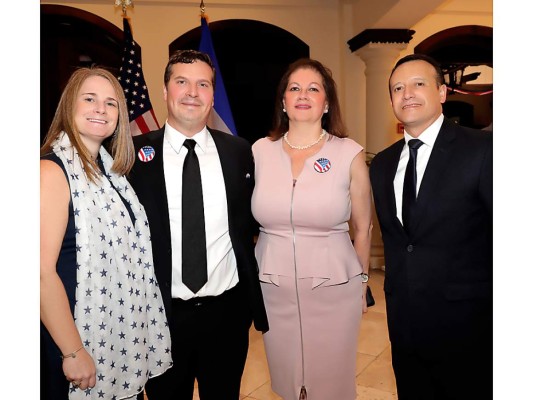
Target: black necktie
409, 184
193, 250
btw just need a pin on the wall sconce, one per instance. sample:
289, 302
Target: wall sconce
453, 77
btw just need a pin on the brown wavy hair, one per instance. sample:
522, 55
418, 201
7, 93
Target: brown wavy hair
331, 121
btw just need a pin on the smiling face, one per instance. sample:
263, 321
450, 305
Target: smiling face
305, 96
189, 94
416, 96
96, 111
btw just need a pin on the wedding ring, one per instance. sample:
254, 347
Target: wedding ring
75, 384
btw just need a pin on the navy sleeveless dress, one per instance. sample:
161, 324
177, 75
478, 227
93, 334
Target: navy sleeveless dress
54, 385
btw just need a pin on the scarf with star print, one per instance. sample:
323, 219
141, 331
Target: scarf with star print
119, 310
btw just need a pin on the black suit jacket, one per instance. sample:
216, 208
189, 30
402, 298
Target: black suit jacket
148, 181
438, 279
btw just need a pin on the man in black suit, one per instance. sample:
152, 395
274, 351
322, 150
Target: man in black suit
438, 250
210, 322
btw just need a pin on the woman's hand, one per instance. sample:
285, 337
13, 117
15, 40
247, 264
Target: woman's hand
80, 370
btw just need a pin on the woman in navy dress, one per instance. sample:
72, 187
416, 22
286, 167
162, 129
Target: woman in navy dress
103, 326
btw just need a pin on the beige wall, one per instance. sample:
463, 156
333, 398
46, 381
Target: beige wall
325, 25
156, 24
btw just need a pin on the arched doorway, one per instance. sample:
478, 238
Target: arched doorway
73, 38
252, 56
459, 49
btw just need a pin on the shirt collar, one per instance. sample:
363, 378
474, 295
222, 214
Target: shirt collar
429, 136
176, 138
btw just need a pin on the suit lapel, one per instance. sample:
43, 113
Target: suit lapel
234, 162
161, 194
155, 185
228, 164
390, 174
437, 164
222, 149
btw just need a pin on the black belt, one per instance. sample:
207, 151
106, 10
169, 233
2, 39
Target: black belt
204, 300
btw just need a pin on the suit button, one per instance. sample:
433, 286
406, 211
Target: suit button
410, 248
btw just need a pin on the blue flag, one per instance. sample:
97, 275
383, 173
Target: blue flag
220, 117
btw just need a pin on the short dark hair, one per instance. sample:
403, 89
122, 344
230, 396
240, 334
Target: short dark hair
331, 121
439, 76
187, 57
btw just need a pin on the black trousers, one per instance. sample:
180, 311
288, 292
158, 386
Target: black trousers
463, 375
210, 343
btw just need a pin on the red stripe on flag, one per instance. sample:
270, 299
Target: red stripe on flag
142, 124
155, 119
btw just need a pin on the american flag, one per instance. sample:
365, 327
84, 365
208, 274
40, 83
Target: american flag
142, 117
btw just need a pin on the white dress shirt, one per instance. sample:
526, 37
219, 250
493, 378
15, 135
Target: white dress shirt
428, 138
221, 262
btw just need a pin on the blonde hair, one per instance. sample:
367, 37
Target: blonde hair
121, 145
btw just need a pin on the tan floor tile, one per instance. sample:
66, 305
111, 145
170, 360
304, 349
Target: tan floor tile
374, 335
386, 355
363, 361
368, 393
264, 393
256, 371
379, 374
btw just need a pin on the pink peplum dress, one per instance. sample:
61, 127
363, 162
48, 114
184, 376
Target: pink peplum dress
308, 268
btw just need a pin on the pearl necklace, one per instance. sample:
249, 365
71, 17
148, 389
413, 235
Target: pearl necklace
307, 145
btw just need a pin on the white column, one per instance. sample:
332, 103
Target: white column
381, 123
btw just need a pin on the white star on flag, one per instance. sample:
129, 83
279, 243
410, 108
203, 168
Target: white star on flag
141, 113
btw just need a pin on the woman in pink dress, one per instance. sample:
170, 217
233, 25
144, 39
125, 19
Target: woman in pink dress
311, 182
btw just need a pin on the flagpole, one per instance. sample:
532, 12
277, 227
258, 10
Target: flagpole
124, 4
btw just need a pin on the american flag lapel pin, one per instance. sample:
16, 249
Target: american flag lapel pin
322, 165
146, 153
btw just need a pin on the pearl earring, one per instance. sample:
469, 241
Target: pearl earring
284, 110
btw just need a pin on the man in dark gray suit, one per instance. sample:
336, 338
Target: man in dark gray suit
209, 319
436, 224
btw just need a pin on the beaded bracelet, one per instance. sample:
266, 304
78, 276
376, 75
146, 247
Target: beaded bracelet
73, 354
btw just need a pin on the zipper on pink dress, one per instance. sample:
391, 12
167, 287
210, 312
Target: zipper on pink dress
303, 391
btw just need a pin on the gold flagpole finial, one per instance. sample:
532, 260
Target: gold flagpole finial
202, 11
202, 8
124, 4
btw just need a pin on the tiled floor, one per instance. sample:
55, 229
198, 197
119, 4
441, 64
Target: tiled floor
374, 376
